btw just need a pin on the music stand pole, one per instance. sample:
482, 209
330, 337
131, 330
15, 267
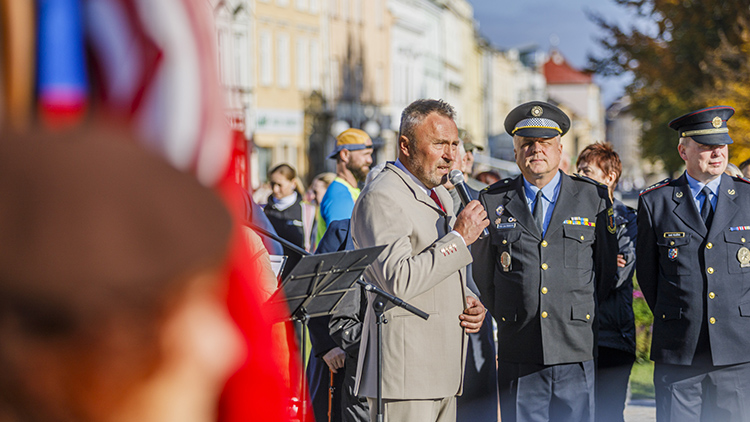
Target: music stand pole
378, 305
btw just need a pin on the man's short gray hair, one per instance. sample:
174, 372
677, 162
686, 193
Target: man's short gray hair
416, 112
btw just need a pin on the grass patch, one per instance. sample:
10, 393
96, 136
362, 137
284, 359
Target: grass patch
642, 380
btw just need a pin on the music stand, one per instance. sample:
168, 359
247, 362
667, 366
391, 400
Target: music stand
315, 287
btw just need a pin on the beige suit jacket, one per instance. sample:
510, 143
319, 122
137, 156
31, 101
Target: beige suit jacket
424, 264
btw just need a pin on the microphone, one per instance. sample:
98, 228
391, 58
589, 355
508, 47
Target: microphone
456, 177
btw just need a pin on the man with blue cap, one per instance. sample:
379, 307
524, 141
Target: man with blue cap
693, 266
551, 251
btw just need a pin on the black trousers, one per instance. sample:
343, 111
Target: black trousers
612, 375
542, 393
702, 393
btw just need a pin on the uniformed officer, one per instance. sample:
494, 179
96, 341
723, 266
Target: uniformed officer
693, 265
551, 249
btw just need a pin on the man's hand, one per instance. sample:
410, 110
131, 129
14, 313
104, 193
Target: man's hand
471, 221
473, 316
335, 359
621, 262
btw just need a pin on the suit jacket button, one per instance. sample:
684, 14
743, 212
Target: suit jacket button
588, 316
544, 243
711, 295
710, 270
544, 290
709, 245
545, 266
712, 320
544, 314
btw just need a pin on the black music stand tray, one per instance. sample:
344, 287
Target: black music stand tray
315, 287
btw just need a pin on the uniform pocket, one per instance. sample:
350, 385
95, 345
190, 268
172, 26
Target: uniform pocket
737, 251
577, 243
675, 257
582, 312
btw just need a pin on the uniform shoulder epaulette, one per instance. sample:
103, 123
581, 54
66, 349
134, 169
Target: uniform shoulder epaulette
741, 179
498, 186
655, 186
583, 178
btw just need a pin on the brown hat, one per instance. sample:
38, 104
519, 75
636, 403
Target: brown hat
89, 216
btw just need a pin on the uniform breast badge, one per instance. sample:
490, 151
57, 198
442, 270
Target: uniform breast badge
743, 255
505, 261
499, 210
672, 254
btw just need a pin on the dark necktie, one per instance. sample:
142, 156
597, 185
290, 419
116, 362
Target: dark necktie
434, 197
706, 209
538, 212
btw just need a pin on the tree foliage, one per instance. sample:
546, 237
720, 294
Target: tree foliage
683, 55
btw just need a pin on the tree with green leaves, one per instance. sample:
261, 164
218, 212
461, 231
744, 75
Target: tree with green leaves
684, 55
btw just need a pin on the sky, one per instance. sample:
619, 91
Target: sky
518, 23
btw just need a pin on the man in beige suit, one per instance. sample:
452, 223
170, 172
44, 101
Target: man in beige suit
407, 208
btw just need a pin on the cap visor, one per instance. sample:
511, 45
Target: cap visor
713, 139
533, 132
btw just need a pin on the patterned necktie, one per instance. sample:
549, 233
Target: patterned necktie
706, 209
538, 212
434, 197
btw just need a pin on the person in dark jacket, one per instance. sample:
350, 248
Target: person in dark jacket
616, 341
694, 270
292, 219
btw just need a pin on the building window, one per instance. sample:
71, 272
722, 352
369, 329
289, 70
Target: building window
302, 65
314, 6
266, 63
282, 61
357, 11
345, 10
241, 57
315, 76
302, 5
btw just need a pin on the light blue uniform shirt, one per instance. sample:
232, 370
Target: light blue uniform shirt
695, 191
549, 197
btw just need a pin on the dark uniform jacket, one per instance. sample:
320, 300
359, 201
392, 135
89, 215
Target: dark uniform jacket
616, 319
691, 277
545, 303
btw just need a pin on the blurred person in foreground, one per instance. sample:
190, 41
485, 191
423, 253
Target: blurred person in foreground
616, 341
113, 277
693, 266
407, 209
550, 253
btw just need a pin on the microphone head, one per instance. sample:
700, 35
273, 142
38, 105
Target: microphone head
456, 177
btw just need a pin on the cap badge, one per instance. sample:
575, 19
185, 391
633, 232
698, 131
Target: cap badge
716, 122
536, 111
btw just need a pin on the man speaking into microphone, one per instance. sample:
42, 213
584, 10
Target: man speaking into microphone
407, 209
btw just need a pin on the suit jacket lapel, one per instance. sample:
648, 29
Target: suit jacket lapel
515, 204
684, 206
726, 207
